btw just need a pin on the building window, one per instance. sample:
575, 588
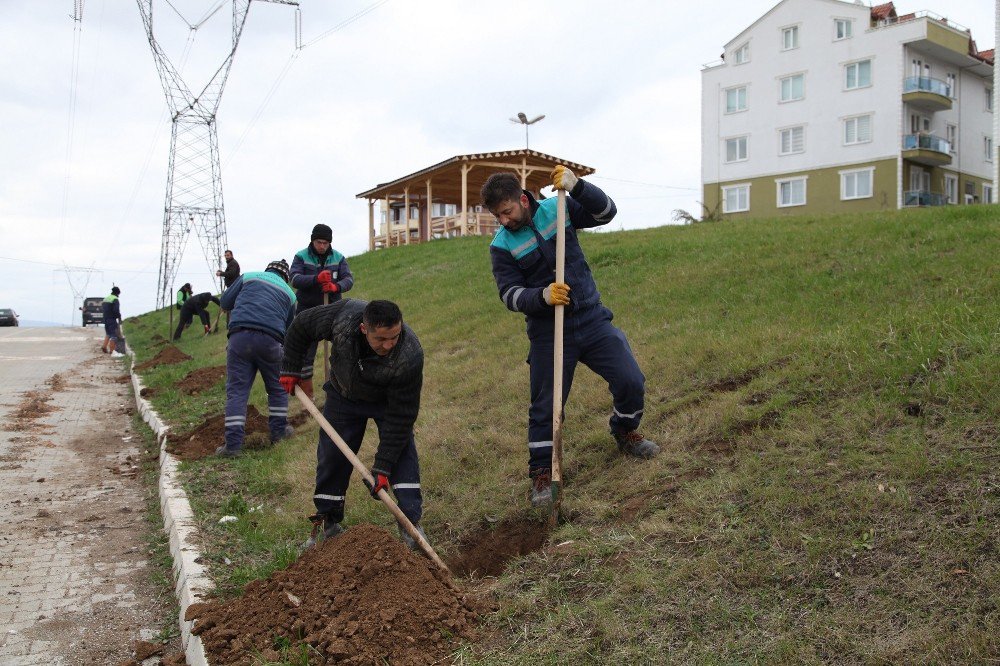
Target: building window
843, 29
736, 99
791, 192
988, 148
736, 149
791, 140
858, 75
790, 38
989, 99
951, 188
742, 54
856, 183
793, 87
987, 193
950, 134
952, 89
736, 198
857, 130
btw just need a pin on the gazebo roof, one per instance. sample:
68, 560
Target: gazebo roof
446, 176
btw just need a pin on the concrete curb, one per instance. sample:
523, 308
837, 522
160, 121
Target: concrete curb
192, 583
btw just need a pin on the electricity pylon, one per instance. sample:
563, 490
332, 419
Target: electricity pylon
194, 176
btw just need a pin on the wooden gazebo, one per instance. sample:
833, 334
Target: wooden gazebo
442, 200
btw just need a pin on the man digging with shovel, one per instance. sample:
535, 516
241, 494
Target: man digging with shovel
376, 372
523, 254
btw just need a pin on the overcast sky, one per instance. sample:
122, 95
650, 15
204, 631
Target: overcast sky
84, 133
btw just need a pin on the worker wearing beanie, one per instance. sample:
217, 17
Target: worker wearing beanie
317, 270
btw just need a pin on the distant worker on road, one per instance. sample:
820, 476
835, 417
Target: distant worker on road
262, 306
318, 271
376, 372
195, 306
523, 254
183, 294
112, 312
231, 272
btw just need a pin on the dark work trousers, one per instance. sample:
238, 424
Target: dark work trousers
187, 315
248, 353
333, 471
589, 338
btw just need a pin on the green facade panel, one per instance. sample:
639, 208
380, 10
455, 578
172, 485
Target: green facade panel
822, 192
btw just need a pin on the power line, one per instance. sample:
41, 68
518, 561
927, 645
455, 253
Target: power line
346, 22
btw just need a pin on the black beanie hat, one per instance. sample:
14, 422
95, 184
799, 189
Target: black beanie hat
115, 290
322, 232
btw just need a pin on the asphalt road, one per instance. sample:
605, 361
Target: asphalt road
75, 576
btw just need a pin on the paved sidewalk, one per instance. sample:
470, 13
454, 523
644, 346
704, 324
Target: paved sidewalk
74, 584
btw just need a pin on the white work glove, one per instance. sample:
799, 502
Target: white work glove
563, 179
556, 293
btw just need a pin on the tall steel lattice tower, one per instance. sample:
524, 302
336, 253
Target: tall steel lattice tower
194, 176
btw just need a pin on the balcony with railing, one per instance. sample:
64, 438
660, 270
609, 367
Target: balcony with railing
924, 198
927, 149
928, 94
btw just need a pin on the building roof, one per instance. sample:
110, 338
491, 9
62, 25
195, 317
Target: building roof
987, 56
446, 176
883, 11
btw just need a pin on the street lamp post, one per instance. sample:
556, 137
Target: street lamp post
523, 120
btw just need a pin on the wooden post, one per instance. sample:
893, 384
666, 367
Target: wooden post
406, 214
430, 215
371, 225
388, 223
557, 361
465, 199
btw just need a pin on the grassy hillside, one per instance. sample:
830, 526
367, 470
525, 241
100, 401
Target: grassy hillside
825, 393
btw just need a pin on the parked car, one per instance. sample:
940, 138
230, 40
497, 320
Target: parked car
8, 317
93, 313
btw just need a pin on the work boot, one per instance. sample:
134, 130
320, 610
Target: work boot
288, 432
330, 529
409, 541
632, 443
223, 452
541, 487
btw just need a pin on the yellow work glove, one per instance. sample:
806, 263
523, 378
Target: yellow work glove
563, 178
556, 293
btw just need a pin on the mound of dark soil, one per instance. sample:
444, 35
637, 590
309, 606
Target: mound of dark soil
362, 598
167, 356
204, 439
486, 552
198, 380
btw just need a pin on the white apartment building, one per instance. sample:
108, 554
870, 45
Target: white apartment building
831, 106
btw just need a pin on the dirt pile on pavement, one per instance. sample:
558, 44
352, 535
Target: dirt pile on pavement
204, 439
486, 553
167, 356
33, 405
362, 598
198, 380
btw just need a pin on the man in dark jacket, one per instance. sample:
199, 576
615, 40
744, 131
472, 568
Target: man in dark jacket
262, 306
318, 271
111, 309
523, 257
376, 372
232, 271
195, 305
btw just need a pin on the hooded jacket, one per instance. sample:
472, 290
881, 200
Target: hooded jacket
357, 373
